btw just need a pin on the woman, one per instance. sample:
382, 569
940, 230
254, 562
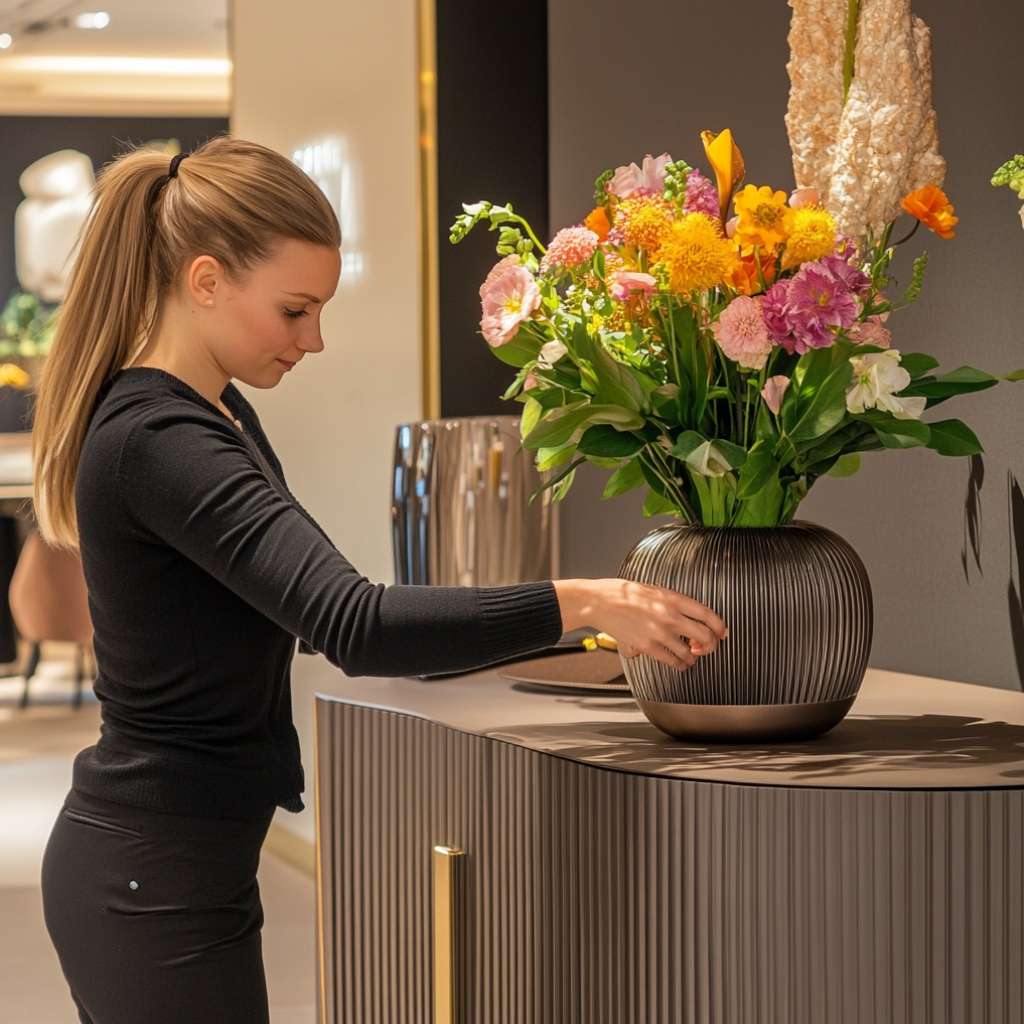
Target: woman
203, 570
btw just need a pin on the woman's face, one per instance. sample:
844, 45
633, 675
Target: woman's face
269, 320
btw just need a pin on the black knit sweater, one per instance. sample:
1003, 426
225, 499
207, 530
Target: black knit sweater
202, 570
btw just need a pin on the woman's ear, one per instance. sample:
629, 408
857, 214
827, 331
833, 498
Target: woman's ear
205, 280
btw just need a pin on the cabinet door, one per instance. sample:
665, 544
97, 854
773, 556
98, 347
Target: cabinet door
391, 787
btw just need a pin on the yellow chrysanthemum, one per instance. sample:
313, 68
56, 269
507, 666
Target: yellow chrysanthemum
762, 216
811, 234
696, 254
643, 221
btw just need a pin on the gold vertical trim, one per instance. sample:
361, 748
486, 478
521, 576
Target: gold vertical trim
321, 959
445, 858
427, 148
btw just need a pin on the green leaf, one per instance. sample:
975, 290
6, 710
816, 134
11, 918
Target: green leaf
917, 363
555, 479
846, 465
521, 349
827, 407
964, 380
606, 441
894, 433
763, 508
656, 505
555, 429
1017, 375
549, 458
734, 454
952, 437
687, 443
757, 471
625, 479
614, 383
532, 412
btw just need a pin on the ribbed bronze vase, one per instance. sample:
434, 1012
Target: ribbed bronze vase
797, 600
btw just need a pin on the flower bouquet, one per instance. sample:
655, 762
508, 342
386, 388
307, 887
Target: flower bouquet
724, 347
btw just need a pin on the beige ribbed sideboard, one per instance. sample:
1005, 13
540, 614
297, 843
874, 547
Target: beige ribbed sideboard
594, 871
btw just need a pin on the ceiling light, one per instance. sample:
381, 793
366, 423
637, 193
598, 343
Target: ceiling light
5, 40
92, 19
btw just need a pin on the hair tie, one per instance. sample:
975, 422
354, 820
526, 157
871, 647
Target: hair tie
175, 161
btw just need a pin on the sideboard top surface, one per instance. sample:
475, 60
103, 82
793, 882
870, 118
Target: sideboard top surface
903, 731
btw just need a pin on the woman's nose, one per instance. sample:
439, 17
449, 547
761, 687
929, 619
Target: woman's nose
313, 342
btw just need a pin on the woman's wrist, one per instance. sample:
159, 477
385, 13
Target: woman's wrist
579, 602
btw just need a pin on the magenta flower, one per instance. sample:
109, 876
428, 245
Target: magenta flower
570, 248
631, 180
817, 303
508, 296
853, 279
773, 392
741, 332
701, 195
625, 283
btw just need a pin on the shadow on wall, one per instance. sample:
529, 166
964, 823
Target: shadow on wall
1013, 587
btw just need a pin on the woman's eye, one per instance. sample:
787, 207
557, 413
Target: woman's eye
293, 313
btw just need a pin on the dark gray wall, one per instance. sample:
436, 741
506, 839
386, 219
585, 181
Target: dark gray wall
27, 138
625, 84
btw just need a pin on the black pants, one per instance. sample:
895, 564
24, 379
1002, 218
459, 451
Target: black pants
156, 917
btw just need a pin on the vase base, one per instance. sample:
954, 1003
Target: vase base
746, 723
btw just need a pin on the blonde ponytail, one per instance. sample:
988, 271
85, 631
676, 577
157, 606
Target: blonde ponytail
231, 199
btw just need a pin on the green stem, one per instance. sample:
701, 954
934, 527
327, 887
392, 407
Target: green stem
665, 476
529, 231
852, 12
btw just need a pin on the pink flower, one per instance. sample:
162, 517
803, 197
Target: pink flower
804, 197
871, 331
628, 282
773, 309
742, 334
631, 180
570, 248
508, 296
701, 195
773, 391
530, 381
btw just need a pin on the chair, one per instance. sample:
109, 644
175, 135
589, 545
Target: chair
49, 601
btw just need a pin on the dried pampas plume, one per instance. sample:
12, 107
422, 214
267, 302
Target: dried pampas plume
865, 151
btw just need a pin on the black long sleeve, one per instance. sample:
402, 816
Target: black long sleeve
203, 569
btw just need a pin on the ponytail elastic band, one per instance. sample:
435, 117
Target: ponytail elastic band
175, 161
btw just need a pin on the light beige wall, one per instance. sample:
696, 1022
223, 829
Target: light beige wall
343, 76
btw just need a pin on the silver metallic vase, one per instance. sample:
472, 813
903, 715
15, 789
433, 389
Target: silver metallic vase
797, 601
460, 512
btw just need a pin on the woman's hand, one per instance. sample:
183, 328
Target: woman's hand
644, 619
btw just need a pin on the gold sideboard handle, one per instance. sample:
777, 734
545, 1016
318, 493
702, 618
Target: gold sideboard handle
444, 933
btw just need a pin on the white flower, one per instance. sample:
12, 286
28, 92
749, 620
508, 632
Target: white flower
550, 353
877, 377
708, 460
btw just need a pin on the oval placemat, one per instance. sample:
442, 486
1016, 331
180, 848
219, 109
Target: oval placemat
598, 670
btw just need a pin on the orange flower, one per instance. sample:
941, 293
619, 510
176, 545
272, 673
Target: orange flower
727, 162
932, 208
597, 221
744, 277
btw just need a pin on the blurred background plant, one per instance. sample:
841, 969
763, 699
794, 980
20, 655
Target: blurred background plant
1011, 174
26, 326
